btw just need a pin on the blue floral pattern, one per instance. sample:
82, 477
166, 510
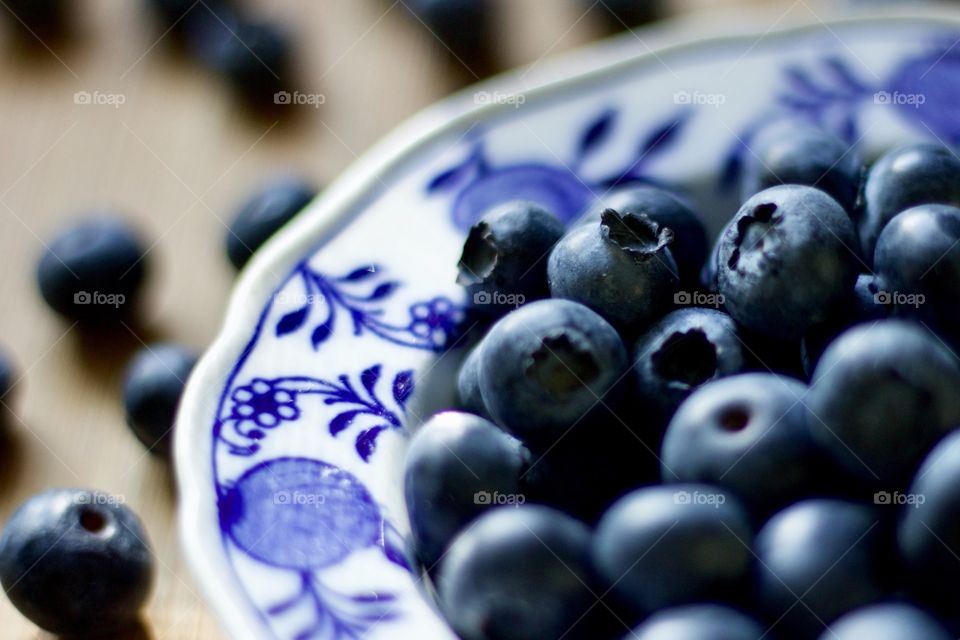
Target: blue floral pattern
562, 188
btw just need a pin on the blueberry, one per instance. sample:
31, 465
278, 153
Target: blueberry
922, 173
93, 270
819, 559
469, 396
37, 18
254, 57
504, 260
689, 246
152, 386
887, 621
547, 365
263, 214
458, 465
918, 266
76, 562
699, 622
7, 377
666, 545
787, 260
864, 305
518, 574
680, 352
463, 28
621, 268
176, 15
623, 14
929, 531
792, 152
738, 430
881, 396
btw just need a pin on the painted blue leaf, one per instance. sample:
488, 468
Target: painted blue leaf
367, 442
842, 72
800, 82
396, 555
450, 177
322, 332
360, 274
292, 321
664, 135
597, 132
375, 618
286, 605
383, 290
343, 421
849, 130
369, 378
403, 387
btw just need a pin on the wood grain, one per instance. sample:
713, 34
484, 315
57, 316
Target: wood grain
177, 156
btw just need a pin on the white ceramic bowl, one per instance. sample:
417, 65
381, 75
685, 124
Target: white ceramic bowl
291, 436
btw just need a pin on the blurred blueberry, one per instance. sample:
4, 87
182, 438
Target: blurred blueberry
37, 19
462, 28
887, 621
152, 386
918, 266
832, 556
469, 395
93, 269
76, 562
793, 152
881, 396
666, 545
921, 173
519, 573
458, 466
269, 208
699, 622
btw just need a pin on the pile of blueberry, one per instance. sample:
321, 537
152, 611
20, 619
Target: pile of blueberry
657, 441
75, 561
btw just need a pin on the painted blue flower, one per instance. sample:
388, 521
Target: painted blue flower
926, 90
263, 404
435, 321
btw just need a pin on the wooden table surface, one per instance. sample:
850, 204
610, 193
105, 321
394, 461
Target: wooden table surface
177, 156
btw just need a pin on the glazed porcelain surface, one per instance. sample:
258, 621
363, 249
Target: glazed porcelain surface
342, 334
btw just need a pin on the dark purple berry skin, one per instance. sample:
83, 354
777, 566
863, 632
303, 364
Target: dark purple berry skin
922, 173
93, 270
674, 544
152, 386
929, 531
504, 260
789, 152
681, 351
689, 246
881, 396
76, 562
917, 261
519, 573
458, 466
699, 622
887, 621
621, 268
263, 214
469, 395
787, 260
836, 553
548, 365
